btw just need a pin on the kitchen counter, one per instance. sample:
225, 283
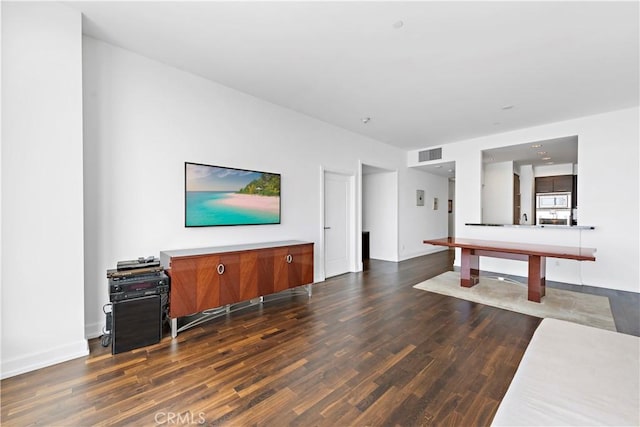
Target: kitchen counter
570, 227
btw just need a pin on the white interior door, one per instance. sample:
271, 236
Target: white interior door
337, 232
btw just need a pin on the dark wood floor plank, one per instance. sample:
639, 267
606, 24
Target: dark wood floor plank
366, 349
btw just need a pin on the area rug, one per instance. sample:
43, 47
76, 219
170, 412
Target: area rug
586, 309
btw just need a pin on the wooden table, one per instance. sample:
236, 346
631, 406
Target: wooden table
536, 255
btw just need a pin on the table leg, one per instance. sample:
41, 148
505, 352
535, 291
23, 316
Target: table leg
537, 277
470, 269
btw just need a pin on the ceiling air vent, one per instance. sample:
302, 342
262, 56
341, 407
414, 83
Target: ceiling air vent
433, 154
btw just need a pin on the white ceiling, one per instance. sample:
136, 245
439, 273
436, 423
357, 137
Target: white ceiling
537, 153
444, 75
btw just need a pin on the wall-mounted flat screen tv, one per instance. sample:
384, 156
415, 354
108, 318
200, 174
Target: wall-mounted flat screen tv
216, 195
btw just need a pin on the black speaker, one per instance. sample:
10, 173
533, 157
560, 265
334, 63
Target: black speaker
137, 322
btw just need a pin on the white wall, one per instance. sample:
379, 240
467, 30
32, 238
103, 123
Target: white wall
143, 120
554, 170
380, 210
605, 139
497, 193
42, 197
418, 223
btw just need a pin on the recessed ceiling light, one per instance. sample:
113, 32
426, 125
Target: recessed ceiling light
536, 146
398, 24
542, 153
437, 166
450, 170
366, 120
546, 158
507, 107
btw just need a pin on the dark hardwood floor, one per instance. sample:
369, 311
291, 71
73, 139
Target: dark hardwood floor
366, 349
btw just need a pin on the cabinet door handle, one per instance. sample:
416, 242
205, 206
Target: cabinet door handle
220, 268
289, 258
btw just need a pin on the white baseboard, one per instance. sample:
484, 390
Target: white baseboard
52, 356
422, 253
93, 330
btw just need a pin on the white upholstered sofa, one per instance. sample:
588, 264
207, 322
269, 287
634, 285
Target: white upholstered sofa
574, 375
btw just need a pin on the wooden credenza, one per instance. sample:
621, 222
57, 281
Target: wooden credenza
207, 278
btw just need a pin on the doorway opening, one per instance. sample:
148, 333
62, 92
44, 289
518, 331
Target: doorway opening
379, 214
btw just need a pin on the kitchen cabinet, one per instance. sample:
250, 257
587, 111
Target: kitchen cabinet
555, 184
544, 184
563, 183
207, 278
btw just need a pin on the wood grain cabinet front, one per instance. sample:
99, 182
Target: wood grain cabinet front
544, 184
207, 284
563, 183
554, 184
265, 273
280, 269
183, 274
195, 285
300, 265
293, 266
202, 281
247, 279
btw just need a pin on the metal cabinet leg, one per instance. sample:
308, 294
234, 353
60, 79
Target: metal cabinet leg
174, 327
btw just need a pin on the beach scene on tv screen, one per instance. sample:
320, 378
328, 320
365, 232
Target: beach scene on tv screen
223, 196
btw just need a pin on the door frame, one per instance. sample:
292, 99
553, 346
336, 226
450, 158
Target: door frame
355, 248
